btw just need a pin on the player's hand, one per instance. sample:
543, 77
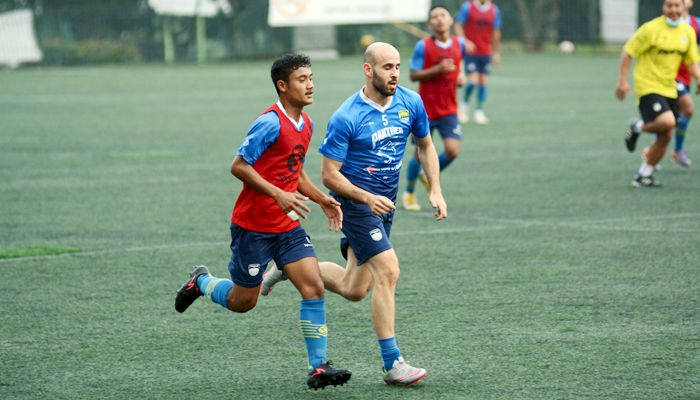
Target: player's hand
289, 202
380, 205
446, 65
438, 202
461, 79
622, 89
496, 58
333, 212
471, 47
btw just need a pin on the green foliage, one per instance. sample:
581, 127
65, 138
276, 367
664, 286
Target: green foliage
96, 51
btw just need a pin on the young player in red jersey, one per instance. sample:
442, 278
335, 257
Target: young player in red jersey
264, 224
436, 65
685, 100
479, 21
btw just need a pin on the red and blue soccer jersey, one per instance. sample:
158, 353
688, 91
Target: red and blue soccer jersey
276, 149
479, 21
438, 93
683, 73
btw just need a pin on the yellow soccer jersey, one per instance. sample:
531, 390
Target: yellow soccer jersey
659, 50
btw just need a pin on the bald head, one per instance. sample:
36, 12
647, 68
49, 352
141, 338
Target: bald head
379, 51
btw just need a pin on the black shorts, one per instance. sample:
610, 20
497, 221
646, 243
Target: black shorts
652, 105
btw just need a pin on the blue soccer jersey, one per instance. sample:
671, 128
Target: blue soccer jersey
370, 140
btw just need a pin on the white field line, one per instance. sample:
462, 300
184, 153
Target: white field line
504, 224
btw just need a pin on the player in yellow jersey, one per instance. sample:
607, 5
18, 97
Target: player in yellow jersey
659, 46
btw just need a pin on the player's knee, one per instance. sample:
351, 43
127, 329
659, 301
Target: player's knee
452, 152
242, 306
312, 291
666, 122
356, 294
387, 276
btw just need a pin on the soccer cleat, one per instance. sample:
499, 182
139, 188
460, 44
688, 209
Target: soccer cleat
480, 117
402, 374
409, 202
645, 157
645, 181
463, 113
189, 292
631, 136
424, 180
681, 158
271, 278
325, 375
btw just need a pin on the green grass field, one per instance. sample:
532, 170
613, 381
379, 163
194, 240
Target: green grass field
552, 278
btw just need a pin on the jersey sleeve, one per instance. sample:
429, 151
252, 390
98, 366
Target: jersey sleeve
462, 14
339, 132
420, 126
639, 42
418, 57
463, 46
262, 133
497, 21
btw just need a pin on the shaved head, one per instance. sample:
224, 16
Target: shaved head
378, 51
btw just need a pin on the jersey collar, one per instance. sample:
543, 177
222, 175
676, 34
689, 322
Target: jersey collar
297, 124
374, 105
482, 7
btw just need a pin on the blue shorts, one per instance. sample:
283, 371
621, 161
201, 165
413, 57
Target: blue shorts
251, 251
366, 233
448, 127
682, 88
480, 64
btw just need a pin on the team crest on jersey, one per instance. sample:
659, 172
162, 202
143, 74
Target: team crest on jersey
376, 234
253, 269
404, 115
684, 40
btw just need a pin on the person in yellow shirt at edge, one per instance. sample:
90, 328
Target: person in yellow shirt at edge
659, 46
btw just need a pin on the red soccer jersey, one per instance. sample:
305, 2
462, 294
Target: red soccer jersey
280, 164
683, 73
479, 27
438, 93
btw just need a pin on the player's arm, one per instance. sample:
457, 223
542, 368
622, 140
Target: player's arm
328, 204
337, 182
285, 200
496, 46
445, 65
459, 30
428, 158
623, 87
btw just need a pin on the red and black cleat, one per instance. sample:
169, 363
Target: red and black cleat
189, 292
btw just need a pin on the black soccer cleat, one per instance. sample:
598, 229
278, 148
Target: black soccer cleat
189, 292
645, 181
631, 137
325, 375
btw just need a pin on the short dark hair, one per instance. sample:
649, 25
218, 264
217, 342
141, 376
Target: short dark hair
438, 6
285, 65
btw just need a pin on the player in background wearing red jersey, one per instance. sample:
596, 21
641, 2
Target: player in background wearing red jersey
479, 21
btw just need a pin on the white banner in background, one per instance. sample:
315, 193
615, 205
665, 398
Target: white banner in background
18, 42
339, 12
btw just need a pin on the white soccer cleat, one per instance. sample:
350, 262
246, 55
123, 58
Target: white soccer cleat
463, 113
402, 374
409, 202
271, 278
480, 117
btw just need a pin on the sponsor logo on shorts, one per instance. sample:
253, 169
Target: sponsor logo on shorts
656, 107
376, 234
253, 269
308, 242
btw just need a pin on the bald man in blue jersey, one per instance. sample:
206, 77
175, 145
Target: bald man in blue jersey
363, 152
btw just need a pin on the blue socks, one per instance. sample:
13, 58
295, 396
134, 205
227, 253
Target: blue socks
312, 316
683, 122
215, 289
481, 95
412, 174
444, 161
468, 91
390, 351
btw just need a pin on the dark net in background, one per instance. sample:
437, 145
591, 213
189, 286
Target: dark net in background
128, 31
